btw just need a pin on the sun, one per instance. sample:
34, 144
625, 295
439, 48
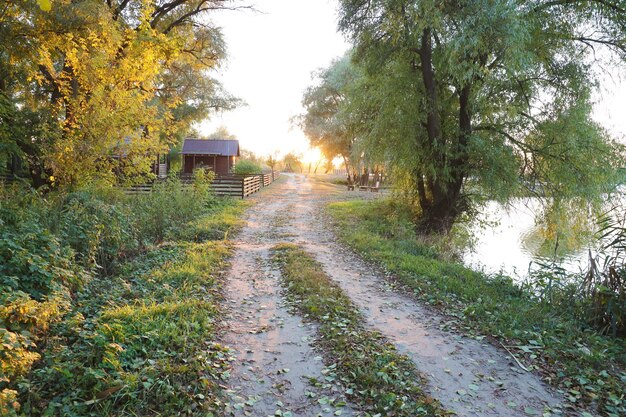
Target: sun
312, 155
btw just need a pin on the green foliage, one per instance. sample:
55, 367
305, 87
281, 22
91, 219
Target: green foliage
596, 297
23, 322
604, 286
33, 260
374, 373
60, 263
292, 162
148, 346
89, 80
221, 133
170, 206
493, 92
326, 123
246, 167
101, 233
589, 366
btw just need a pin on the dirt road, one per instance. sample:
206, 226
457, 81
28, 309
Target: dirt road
275, 355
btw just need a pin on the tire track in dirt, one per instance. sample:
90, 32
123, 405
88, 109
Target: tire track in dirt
273, 350
469, 377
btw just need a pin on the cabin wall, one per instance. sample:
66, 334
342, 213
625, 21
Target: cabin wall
221, 165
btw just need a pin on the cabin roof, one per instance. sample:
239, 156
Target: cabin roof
211, 147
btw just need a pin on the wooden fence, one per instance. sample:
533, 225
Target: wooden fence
138, 189
240, 186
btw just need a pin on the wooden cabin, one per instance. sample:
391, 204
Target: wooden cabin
216, 155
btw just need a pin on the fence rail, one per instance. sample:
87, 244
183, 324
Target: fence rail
240, 186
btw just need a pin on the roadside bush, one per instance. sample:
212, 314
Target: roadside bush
171, 205
22, 321
36, 271
245, 167
34, 261
50, 247
102, 234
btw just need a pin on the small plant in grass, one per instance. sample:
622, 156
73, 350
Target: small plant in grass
374, 373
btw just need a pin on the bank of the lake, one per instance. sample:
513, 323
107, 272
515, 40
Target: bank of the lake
550, 338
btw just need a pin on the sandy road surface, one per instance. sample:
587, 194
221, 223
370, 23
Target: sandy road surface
274, 350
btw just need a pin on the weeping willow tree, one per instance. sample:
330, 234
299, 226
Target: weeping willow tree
324, 121
495, 92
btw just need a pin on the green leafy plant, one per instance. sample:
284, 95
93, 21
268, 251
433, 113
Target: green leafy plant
604, 285
86, 325
245, 167
101, 233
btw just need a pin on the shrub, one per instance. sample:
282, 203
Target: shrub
245, 167
49, 247
102, 234
34, 261
170, 206
604, 285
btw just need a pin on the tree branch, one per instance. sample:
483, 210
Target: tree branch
610, 5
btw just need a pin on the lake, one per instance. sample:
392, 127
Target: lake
509, 239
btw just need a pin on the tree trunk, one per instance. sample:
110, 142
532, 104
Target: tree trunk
440, 195
345, 162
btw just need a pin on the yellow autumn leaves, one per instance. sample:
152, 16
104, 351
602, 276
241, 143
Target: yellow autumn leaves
45, 5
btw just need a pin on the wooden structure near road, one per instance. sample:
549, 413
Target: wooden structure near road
239, 186
218, 156
236, 186
242, 185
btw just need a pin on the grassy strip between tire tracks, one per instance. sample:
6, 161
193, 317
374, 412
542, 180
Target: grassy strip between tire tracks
142, 342
375, 374
589, 368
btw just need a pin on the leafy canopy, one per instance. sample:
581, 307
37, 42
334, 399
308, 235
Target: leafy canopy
493, 91
92, 79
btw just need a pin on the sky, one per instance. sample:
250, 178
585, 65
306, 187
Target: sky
272, 54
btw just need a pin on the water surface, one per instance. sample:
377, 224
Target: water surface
510, 239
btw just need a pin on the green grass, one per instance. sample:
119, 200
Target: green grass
223, 219
588, 367
375, 375
142, 342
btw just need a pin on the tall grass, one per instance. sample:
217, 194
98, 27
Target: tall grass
604, 285
56, 248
